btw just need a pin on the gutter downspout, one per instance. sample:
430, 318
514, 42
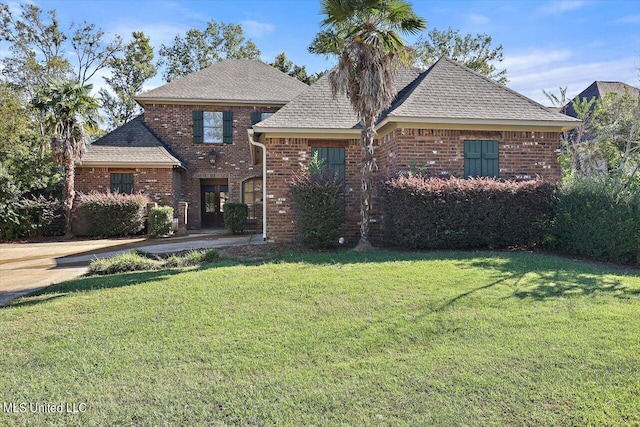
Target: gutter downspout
264, 182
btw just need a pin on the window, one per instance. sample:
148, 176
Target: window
481, 159
256, 117
252, 196
122, 183
213, 127
333, 158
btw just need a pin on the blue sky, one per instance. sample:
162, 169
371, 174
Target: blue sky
547, 44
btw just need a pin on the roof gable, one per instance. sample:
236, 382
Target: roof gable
231, 80
598, 89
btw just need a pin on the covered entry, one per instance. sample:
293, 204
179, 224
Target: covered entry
213, 195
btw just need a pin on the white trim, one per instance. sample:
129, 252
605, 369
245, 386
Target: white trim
124, 165
466, 121
205, 101
351, 131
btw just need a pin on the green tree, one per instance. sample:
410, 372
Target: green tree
68, 110
475, 52
128, 75
202, 48
282, 63
368, 32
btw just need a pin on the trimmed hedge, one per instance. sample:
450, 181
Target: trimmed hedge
160, 220
111, 214
235, 216
597, 218
318, 203
454, 213
35, 216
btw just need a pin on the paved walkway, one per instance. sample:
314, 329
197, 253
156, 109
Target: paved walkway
28, 267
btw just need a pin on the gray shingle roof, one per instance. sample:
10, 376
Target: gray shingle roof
447, 90
598, 89
316, 108
232, 80
450, 90
131, 143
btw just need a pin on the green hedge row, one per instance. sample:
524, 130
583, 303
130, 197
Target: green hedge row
598, 218
430, 213
110, 214
34, 216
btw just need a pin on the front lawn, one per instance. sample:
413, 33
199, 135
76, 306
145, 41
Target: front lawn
382, 338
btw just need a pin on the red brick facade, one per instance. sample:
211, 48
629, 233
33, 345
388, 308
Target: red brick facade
173, 124
157, 183
522, 155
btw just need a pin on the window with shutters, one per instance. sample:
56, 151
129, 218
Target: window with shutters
213, 127
122, 183
481, 159
333, 158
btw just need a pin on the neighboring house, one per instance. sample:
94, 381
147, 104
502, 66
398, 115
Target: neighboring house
598, 90
447, 120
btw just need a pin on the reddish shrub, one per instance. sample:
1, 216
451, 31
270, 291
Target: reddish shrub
456, 213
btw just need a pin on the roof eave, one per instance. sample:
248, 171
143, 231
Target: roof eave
498, 124
124, 165
328, 133
203, 101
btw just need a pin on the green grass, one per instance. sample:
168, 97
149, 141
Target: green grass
382, 338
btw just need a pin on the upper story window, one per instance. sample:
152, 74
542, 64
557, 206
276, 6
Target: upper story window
213, 127
258, 116
481, 159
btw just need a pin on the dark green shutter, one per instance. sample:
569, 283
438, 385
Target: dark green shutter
122, 183
256, 117
490, 159
198, 126
227, 127
472, 158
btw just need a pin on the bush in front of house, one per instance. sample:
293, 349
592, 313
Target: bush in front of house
599, 218
235, 216
318, 203
454, 213
111, 214
33, 216
160, 220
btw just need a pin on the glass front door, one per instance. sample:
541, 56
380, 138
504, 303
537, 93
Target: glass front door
212, 204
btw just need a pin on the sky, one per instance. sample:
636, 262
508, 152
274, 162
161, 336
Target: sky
547, 44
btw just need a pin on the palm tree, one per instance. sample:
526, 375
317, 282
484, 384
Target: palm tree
366, 33
68, 111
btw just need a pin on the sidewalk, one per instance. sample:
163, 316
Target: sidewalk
28, 267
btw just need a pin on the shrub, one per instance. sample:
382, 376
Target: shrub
235, 216
112, 214
35, 216
160, 220
317, 196
454, 213
130, 261
597, 218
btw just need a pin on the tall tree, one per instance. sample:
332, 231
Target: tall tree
38, 46
284, 64
368, 32
202, 48
68, 110
475, 52
128, 75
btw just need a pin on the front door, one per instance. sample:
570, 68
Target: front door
212, 204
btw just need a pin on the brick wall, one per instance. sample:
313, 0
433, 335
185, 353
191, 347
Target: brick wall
522, 155
173, 124
157, 183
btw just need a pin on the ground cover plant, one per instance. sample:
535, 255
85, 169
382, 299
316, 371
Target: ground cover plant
334, 338
137, 260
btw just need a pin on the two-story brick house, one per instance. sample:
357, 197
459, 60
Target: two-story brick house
203, 127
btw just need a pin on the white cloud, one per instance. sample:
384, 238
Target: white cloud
576, 77
478, 19
257, 29
534, 60
629, 19
561, 6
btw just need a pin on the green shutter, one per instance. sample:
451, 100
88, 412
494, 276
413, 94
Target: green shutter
333, 158
472, 158
198, 126
227, 127
256, 117
122, 183
490, 159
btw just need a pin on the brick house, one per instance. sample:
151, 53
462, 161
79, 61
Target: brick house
447, 120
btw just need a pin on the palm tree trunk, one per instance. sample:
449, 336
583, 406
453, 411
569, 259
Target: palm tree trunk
368, 166
69, 194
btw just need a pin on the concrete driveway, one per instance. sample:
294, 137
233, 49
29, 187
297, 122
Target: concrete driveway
28, 267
